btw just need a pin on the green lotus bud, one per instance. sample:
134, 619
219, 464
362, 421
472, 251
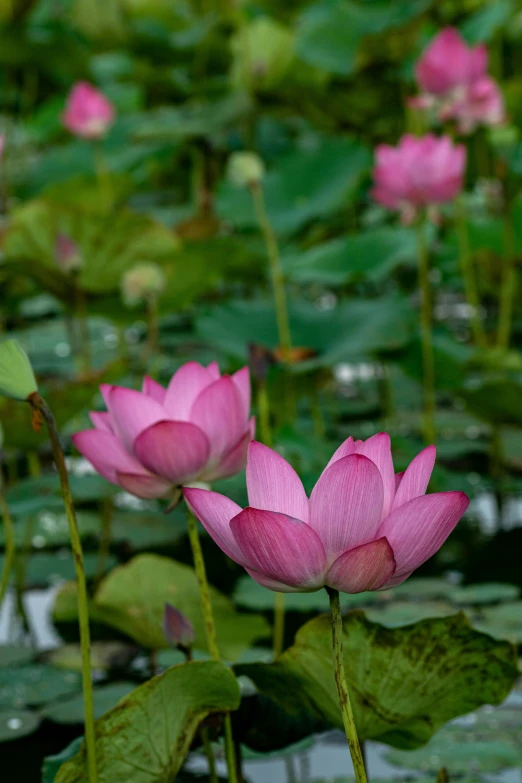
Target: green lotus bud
245, 169
263, 53
141, 282
16, 374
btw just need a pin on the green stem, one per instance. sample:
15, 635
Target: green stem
104, 178
207, 748
263, 409
508, 288
152, 326
33, 464
279, 623
468, 276
41, 408
342, 686
210, 628
22, 559
105, 538
10, 547
428, 362
81, 317
276, 270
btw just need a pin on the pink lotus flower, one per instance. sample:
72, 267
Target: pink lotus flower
363, 528
454, 83
87, 113
151, 442
419, 172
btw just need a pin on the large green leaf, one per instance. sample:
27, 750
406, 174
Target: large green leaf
351, 330
132, 599
330, 33
308, 184
146, 737
70, 710
368, 255
405, 682
109, 243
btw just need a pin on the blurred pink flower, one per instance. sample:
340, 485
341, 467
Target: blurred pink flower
149, 442
363, 528
417, 173
68, 255
87, 113
454, 83
177, 629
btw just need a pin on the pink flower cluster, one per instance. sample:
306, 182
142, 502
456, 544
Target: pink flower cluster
364, 527
455, 84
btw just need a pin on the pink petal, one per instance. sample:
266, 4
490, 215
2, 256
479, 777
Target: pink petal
154, 389
101, 420
346, 504
218, 411
344, 450
252, 427
398, 479
280, 547
273, 584
233, 462
215, 511
416, 477
273, 484
366, 567
131, 413
147, 487
105, 391
242, 380
378, 449
395, 581
106, 454
176, 450
184, 387
213, 369
418, 529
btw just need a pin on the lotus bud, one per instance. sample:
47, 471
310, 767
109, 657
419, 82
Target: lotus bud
178, 630
16, 374
245, 169
141, 282
68, 256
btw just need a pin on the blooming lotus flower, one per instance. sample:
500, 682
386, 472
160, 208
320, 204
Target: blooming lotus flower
87, 113
363, 527
417, 173
151, 442
454, 83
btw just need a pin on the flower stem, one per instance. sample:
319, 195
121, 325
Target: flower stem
342, 686
468, 275
276, 270
152, 326
10, 547
508, 288
210, 627
41, 408
263, 409
279, 623
103, 177
428, 363
105, 539
207, 748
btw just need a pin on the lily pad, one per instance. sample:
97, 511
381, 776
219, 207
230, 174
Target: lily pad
435, 670
17, 723
502, 622
15, 655
397, 613
143, 737
47, 569
486, 593
70, 710
35, 684
105, 656
51, 764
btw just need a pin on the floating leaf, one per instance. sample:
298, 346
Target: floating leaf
435, 670
486, 593
144, 737
51, 764
35, 684
17, 723
15, 655
70, 710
